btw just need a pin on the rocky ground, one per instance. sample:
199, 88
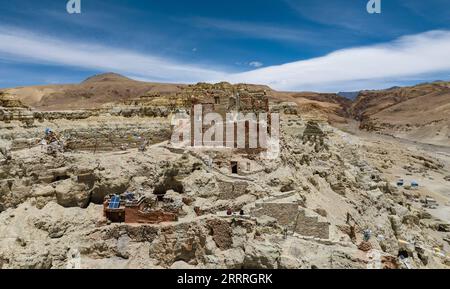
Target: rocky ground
306, 209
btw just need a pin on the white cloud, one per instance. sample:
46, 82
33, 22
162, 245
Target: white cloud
24, 46
414, 55
255, 64
348, 69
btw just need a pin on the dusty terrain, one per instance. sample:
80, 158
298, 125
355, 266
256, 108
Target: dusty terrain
307, 208
420, 113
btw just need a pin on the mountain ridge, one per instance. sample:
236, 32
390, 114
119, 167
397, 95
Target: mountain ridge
411, 112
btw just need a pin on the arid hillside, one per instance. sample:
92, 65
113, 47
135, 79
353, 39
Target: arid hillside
419, 113
108, 88
93, 92
328, 105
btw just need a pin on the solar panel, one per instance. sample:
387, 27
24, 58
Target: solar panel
114, 203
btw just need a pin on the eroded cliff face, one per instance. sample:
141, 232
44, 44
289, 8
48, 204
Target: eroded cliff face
307, 208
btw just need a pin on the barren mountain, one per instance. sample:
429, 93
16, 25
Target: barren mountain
419, 113
91, 93
329, 105
107, 88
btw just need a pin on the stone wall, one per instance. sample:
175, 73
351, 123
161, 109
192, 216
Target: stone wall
285, 213
294, 218
311, 226
231, 190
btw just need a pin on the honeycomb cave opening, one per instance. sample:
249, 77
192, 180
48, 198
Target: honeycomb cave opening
403, 254
169, 183
234, 168
60, 178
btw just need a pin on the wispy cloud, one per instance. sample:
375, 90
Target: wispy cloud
360, 67
340, 13
24, 46
255, 64
349, 16
347, 69
257, 30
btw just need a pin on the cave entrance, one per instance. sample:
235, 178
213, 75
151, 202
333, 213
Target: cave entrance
403, 254
60, 178
160, 197
234, 167
169, 183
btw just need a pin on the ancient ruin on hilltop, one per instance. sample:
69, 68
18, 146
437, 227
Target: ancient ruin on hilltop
231, 122
232, 106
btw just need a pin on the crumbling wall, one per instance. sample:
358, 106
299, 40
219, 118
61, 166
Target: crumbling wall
311, 226
134, 215
294, 219
221, 232
231, 190
285, 213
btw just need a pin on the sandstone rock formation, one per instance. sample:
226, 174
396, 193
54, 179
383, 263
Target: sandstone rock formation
308, 208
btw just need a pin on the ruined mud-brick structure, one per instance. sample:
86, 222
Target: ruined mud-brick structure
123, 209
223, 98
212, 118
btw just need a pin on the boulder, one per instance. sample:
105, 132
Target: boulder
261, 255
70, 194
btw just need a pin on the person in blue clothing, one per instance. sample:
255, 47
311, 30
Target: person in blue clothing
51, 136
367, 234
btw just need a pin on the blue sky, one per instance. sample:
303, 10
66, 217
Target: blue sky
288, 44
